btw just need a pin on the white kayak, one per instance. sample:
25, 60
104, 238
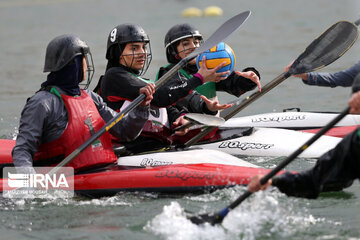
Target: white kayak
291, 120
269, 142
187, 157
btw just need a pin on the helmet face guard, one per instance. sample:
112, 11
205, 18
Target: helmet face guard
148, 58
89, 71
197, 41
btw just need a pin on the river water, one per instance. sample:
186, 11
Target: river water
275, 34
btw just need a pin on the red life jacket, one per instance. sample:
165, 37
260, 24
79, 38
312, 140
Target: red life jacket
81, 110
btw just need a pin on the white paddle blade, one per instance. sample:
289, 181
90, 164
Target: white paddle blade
205, 119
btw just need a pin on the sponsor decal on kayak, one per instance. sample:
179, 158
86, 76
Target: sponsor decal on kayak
245, 145
149, 162
185, 175
278, 119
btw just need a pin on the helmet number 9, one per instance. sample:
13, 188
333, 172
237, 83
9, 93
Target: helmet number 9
113, 35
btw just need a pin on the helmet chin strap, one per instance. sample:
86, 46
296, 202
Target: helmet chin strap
135, 71
147, 60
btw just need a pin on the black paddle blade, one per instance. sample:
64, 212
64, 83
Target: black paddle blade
328, 47
206, 218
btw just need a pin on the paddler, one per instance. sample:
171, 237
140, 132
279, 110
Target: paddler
61, 116
334, 170
129, 55
180, 41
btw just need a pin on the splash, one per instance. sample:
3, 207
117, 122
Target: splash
172, 224
268, 214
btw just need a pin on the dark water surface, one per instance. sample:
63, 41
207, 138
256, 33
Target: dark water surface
275, 34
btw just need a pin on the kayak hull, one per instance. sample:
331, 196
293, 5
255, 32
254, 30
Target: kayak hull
173, 179
173, 172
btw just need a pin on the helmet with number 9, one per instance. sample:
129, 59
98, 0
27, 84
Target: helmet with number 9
123, 34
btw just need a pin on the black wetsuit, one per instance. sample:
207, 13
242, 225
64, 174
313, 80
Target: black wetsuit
334, 170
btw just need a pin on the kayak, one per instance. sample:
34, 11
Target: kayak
303, 121
170, 172
265, 142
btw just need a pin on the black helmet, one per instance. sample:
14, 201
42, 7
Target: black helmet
174, 35
123, 34
63, 49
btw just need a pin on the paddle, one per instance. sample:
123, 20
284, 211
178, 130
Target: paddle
328, 47
200, 119
224, 31
218, 217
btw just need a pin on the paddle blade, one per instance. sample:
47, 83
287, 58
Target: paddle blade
204, 119
205, 218
221, 33
328, 47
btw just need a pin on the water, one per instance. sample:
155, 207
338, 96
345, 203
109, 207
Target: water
275, 34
